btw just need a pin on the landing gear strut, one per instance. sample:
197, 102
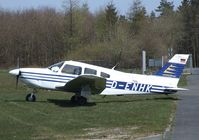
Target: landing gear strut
31, 97
80, 100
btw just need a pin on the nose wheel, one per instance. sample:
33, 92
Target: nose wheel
31, 97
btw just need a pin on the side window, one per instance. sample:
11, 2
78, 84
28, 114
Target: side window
70, 69
90, 71
105, 75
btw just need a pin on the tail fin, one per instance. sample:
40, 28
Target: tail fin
174, 67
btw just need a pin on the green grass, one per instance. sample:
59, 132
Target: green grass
54, 117
183, 81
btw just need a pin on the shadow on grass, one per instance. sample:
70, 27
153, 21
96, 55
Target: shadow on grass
166, 98
58, 102
24, 101
67, 103
141, 99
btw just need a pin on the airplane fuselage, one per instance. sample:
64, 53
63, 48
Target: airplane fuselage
117, 83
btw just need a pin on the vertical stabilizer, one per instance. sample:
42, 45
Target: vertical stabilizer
174, 67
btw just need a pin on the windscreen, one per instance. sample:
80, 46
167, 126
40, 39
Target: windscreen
56, 67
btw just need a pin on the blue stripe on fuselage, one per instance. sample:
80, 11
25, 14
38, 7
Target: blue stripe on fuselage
139, 87
34, 73
43, 80
46, 77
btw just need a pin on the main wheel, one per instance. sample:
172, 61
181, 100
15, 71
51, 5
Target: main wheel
31, 97
74, 99
81, 100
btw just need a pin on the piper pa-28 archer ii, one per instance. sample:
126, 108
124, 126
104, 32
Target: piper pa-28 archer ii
85, 79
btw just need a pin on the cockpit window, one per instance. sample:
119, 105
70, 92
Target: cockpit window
56, 67
70, 69
105, 75
90, 71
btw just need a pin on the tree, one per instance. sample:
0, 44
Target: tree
100, 26
152, 16
165, 8
33, 35
70, 40
189, 17
195, 30
185, 43
111, 20
136, 16
85, 25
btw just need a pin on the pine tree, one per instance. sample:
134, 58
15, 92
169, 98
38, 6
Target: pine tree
70, 31
195, 30
165, 8
185, 43
111, 20
152, 15
136, 15
190, 20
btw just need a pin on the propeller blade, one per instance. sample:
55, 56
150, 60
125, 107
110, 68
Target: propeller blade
17, 79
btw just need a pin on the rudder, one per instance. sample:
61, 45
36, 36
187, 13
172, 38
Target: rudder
174, 67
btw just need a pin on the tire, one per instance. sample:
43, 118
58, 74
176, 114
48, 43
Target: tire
73, 99
82, 100
31, 97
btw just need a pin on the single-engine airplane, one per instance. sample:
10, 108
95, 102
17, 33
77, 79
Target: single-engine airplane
85, 79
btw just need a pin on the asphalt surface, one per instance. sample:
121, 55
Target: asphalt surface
186, 125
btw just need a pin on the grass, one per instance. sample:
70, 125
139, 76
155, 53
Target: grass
54, 117
183, 81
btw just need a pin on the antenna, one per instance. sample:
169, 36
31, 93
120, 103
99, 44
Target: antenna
115, 66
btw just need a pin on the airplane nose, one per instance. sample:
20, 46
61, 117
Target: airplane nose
14, 72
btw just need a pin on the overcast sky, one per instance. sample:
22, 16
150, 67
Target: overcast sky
94, 5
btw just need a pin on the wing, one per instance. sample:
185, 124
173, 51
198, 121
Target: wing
96, 84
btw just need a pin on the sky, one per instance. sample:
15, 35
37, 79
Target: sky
94, 5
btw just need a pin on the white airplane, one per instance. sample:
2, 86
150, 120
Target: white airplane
85, 79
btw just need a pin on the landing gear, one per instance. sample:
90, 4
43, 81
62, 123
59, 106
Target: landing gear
31, 97
73, 99
80, 100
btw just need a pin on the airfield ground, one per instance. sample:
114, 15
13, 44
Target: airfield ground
54, 117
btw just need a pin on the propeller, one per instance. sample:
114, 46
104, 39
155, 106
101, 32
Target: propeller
17, 78
18, 74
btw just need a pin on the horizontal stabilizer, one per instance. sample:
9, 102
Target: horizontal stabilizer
177, 89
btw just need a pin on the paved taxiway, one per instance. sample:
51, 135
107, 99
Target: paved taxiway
186, 124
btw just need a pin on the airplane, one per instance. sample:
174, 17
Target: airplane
86, 79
